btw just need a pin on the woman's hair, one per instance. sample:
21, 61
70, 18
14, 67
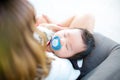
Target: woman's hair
20, 53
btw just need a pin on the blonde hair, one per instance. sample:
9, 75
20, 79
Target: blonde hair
20, 53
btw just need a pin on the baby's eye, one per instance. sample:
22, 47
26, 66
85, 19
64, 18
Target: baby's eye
65, 35
67, 46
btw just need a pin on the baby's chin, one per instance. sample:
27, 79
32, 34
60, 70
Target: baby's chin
61, 56
49, 48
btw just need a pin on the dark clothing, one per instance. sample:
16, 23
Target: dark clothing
104, 47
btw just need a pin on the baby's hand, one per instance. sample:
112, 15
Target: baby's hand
52, 27
42, 19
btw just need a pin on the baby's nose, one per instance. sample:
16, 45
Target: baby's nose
62, 41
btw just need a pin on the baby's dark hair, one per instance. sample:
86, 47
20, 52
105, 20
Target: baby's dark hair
89, 41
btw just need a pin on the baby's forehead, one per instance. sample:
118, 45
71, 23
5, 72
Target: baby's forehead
73, 33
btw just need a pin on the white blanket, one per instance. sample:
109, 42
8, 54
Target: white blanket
62, 69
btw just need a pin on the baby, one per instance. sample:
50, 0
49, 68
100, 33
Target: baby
66, 43
72, 43
69, 42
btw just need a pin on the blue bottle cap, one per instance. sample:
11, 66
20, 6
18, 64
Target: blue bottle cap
55, 43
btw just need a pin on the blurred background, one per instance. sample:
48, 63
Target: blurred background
106, 12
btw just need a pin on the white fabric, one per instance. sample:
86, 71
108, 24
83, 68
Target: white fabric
62, 69
48, 33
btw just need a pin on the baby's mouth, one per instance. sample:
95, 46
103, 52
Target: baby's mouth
48, 43
48, 46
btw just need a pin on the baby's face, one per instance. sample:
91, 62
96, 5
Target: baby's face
71, 42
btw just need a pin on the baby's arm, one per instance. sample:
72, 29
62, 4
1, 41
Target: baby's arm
86, 21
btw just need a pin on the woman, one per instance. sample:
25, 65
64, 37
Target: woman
20, 53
